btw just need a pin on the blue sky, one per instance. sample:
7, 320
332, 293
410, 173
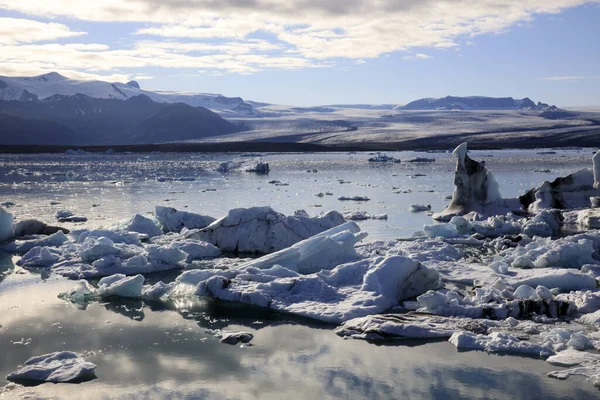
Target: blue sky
308, 52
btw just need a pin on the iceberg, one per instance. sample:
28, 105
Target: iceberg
262, 230
348, 291
174, 221
577, 190
475, 189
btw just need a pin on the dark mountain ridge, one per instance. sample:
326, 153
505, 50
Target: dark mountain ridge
84, 120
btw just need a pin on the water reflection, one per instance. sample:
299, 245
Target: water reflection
162, 351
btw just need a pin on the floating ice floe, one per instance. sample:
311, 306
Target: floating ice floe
382, 158
572, 191
419, 207
419, 160
245, 166
62, 366
120, 285
82, 294
235, 337
590, 371
363, 215
498, 342
572, 357
347, 291
262, 230
174, 221
353, 198
406, 326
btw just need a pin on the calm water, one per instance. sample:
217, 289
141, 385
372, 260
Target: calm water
109, 188
162, 351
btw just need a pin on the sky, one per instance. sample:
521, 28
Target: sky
315, 52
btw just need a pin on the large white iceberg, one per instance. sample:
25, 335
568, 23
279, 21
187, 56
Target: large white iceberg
262, 230
348, 291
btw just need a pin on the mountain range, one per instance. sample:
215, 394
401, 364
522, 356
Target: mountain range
51, 109
44, 86
451, 103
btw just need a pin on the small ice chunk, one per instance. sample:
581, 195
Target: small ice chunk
63, 214
140, 224
441, 230
432, 299
419, 207
174, 221
525, 292
39, 257
498, 342
83, 293
60, 366
353, 198
236, 337
120, 285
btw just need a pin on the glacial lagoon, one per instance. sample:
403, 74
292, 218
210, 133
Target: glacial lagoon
167, 349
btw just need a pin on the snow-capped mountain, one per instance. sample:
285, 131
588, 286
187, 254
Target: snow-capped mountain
474, 103
47, 85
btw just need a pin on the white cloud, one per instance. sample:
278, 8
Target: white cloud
18, 30
296, 33
418, 56
562, 78
92, 64
312, 28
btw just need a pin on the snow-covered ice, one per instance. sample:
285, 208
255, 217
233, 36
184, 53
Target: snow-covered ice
60, 366
262, 230
348, 291
140, 224
396, 326
235, 337
173, 220
498, 342
120, 285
